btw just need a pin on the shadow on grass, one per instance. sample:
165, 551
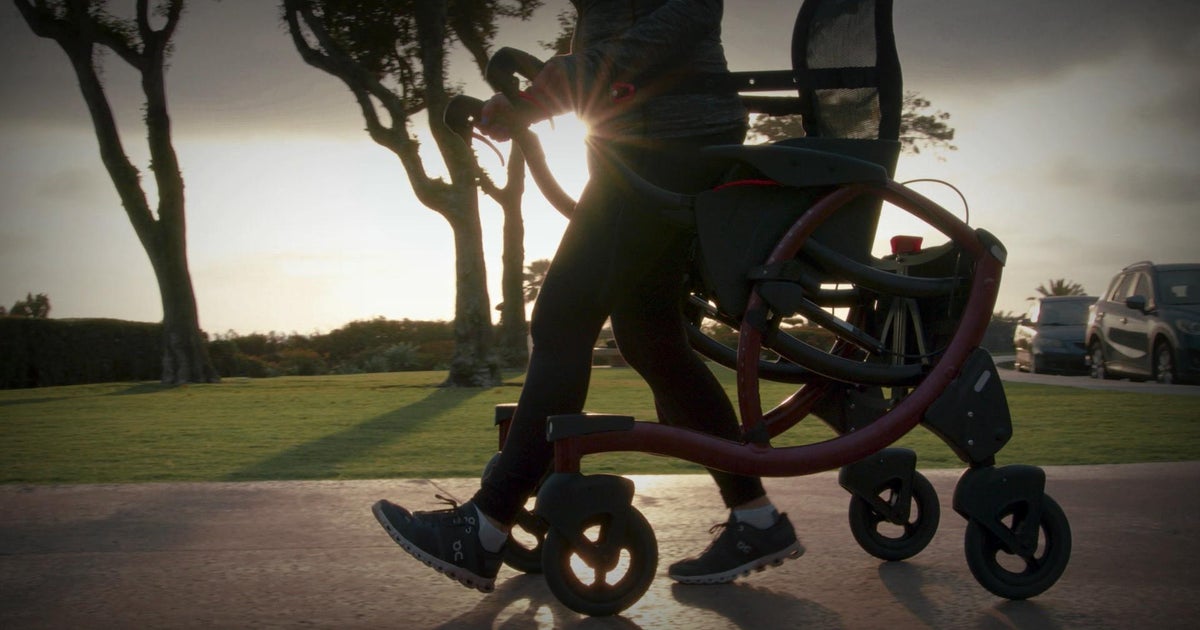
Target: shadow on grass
27, 401
144, 388
133, 389
320, 458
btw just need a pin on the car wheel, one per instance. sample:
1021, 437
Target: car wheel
1164, 363
1096, 362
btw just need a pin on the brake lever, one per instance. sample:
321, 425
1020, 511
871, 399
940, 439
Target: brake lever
461, 115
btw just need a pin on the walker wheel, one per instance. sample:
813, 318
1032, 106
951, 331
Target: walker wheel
892, 541
602, 571
1020, 575
524, 549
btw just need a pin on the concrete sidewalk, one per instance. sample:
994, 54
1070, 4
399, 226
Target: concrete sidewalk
309, 554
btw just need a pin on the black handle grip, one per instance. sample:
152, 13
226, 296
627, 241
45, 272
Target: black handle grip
461, 114
504, 66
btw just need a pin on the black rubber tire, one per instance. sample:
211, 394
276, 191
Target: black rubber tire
1164, 363
1096, 368
524, 552
985, 552
923, 521
601, 598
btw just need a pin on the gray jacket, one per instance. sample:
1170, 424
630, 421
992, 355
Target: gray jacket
662, 49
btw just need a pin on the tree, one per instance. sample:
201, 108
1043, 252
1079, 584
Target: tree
918, 128
512, 348
392, 57
33, 307
535, 275
566, 33
1061, 286
85, 28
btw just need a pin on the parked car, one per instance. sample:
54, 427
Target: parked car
1147, 325
1050, 337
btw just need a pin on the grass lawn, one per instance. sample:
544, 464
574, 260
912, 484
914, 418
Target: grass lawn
403, 425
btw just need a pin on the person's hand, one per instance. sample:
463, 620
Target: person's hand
498, 118
548, 96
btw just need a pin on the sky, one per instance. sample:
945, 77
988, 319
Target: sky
1078, 136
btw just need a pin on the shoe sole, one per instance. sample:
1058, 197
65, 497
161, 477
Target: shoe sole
791, 552
454, 572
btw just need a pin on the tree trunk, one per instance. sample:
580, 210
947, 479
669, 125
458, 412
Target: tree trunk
513, 344
185, 350
474, 363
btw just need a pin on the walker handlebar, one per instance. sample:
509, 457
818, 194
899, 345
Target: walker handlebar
463, 112
460, 115
503, 68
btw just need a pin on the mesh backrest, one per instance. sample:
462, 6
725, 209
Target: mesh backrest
846, 67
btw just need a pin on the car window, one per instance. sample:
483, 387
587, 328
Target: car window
1032, 313
1180, 286
1142, 288
1119, 287
1112, 287
1064, 313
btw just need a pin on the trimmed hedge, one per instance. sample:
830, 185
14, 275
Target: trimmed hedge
46, 352
38, 352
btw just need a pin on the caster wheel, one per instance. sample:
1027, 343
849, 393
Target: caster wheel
604, 570
524, 549
1013, 575
891, 541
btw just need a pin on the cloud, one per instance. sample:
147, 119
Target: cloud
233, 68
1027, 40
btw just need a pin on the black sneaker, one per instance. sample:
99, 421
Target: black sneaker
447, 540
738, 550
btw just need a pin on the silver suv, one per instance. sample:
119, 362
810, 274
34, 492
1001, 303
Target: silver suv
1147, 325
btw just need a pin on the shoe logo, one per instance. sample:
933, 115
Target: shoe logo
457, 547
743, 547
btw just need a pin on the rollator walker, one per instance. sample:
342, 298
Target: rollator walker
790, 233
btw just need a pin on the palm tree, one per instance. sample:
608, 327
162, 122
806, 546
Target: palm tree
1061, 286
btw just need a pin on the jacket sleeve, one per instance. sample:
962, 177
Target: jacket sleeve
657, 41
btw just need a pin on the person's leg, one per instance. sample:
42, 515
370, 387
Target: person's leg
650, 330
651, 336
591, 267
589, 270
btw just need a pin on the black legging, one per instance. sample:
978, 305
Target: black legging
617, 258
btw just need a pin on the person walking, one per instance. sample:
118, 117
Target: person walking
641, 76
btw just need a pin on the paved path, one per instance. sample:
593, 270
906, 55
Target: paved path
309, 554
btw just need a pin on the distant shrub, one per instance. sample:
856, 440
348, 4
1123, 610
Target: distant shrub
301, 362
37, 352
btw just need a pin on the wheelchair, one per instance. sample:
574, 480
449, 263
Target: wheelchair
790, 233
